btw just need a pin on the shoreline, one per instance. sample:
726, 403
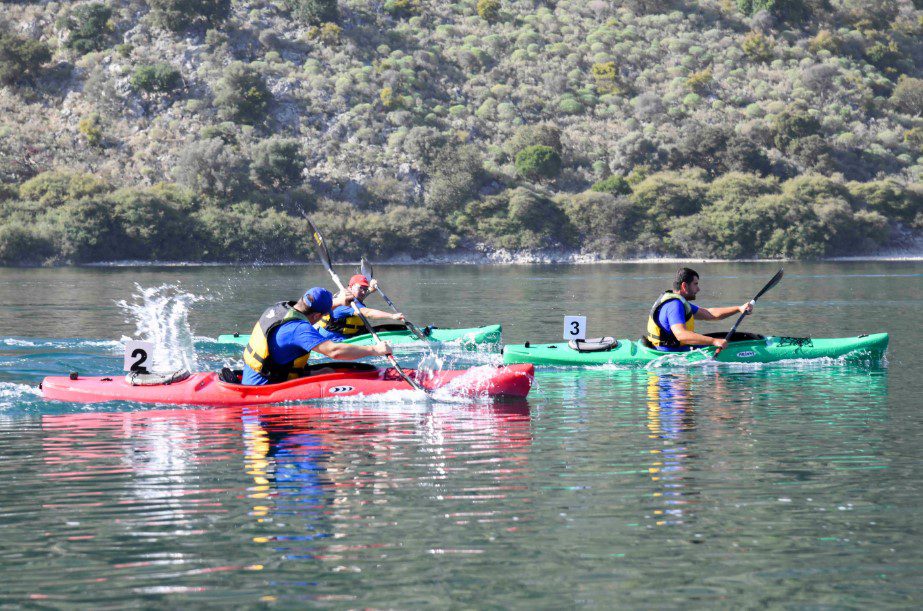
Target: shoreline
488, 260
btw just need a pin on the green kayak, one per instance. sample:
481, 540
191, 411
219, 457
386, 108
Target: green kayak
398, 334
744, 348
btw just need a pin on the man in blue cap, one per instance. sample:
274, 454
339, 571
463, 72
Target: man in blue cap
284, 337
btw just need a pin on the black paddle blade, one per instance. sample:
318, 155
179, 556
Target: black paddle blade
775, 280
319, 245
365, 268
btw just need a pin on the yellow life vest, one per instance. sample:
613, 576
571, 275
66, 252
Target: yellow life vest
256, 354
348, 325
664, 337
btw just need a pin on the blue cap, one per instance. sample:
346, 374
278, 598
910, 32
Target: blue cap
319, 300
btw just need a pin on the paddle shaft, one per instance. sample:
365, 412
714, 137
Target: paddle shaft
774, 281
325, 261
367, 267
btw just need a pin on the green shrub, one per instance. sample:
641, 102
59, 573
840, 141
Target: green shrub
614, 185
88, 26
91, 127
86, 230
544, 134
54, 189
242, 95
602, 222
179, 15
246, 232
314, 12
160, 77
739, 189
23, 243
213, 168
757, 47
789, 10
401, 9
277, 163
399, 230
606, 77
889, 198
537, 162
908, 96
883, 52
666, 196
455, 176
154, 223
515, 219
21, 58
792, 123
488, 10
701, 81
328, 34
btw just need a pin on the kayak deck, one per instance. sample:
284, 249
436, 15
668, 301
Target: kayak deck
398, 334
763, 350
209, 389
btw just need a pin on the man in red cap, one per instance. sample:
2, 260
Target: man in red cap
342, 321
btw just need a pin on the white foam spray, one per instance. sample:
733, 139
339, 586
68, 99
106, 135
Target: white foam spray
161, 316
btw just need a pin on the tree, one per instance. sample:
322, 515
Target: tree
544, 134
242, 95
488, 10
20, 58
314, 12
614, 185
536, 162
455, 176
277, 163
88, 27
213, 168
908, 95
793, 123
179, 15
159, 77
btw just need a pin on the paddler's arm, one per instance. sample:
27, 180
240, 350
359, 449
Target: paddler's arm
721, 313
342, 299
350, 352
691, 338
373, 313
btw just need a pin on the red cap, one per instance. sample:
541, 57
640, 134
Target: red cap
359, 279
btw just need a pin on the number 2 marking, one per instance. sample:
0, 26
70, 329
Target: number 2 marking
141, 355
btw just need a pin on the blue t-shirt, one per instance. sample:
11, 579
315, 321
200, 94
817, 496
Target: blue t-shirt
287, 342
339, 313
671, 313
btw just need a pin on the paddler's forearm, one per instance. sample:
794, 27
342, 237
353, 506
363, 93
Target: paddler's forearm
717, 313
691, 338
345, 352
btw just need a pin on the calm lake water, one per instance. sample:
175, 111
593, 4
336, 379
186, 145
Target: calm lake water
717, 486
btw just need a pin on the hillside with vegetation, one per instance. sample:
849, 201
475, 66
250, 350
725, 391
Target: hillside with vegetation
207, 129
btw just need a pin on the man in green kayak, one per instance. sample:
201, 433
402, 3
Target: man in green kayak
342, 322
284, 336
671, 322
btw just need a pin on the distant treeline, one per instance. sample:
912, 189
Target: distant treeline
57, 218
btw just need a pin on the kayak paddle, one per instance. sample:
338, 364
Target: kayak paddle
366, 269
324, 256
774, 281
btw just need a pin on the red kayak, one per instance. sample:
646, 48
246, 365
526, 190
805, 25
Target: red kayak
327, 380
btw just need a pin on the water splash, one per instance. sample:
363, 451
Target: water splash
161, 316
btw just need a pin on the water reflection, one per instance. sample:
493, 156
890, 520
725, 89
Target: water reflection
671, 419
297, 484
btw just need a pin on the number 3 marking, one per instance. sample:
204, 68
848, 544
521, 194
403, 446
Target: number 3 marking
576, 327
